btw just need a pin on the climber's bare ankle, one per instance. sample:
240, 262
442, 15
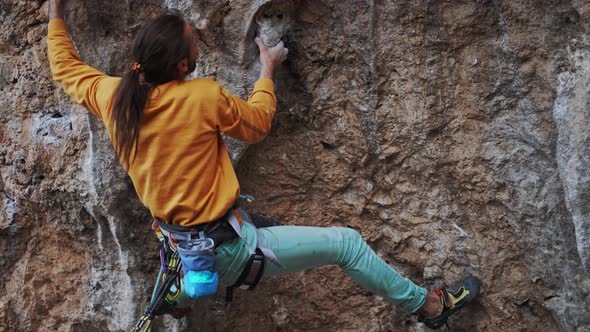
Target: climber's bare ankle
432, 306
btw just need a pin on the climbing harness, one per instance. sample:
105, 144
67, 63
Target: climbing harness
250, 276
176, 240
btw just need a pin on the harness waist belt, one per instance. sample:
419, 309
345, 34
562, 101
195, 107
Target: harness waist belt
218, 230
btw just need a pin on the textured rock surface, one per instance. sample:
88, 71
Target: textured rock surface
454, 135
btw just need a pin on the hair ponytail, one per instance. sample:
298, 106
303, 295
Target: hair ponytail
130, 100
157, 49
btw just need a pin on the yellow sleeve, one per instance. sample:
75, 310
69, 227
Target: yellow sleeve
248, 121
87, 86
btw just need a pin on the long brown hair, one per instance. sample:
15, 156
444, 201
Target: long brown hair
157, 48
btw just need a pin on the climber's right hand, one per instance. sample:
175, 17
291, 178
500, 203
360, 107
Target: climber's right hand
270, 57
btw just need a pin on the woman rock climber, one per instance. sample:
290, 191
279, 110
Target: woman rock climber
166, 131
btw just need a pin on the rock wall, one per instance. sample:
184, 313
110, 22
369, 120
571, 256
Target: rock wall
453, 135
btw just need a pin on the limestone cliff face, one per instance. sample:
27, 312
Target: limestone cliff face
453, 135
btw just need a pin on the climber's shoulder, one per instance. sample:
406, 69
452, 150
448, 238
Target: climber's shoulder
197, 84
204, 82
201, 88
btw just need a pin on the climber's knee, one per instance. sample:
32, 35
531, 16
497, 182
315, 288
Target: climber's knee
350, 246
350, 235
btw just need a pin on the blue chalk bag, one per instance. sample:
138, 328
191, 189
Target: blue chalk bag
198, 264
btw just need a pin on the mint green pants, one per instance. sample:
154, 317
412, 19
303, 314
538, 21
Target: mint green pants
300, 248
